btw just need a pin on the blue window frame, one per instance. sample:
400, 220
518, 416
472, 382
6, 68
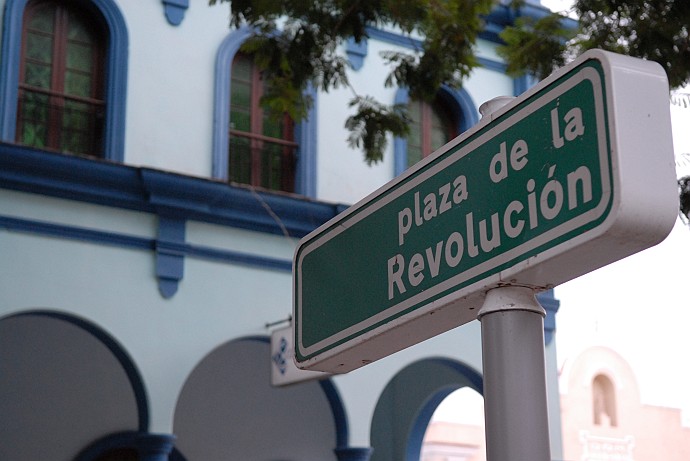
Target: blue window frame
115, 84
305, 130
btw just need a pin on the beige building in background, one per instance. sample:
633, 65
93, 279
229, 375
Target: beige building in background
604, 420
602, 416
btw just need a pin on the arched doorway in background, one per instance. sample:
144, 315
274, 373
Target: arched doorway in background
408, 402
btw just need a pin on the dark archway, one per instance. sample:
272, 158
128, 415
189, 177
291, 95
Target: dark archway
64, 381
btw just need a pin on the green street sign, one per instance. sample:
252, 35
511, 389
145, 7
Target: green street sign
512, 201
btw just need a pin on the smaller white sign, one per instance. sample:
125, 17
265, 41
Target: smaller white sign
283, 368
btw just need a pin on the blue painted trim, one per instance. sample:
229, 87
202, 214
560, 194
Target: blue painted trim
115, 348
116, 74
175, 10
153, 191
221, 101
402, 96
523, 83
155, 447
415, 44
416, 435
353, 453
306, 134
125, 439
501, 16
342, 434
492, 64
305, 130
550, 304
394, 38
463, 107
75, 233
356, 52
234, 257
458, 101
140, 243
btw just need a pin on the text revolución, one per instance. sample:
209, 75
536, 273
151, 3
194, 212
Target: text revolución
475, 234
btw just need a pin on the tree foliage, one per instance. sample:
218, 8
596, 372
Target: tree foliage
657, 30
297, 43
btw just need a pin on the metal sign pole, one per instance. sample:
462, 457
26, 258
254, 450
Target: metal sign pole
515, 405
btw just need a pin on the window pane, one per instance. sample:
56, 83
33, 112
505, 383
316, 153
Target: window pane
77, 30
241, 94
240, 120
277, 166
43, 19
414, 137
414, 154
39, 47
270, 166
443, 125
37, 75
431, 127
78, 128
33, 116
240, 165
80, 57
77, 84
242, 68
439, 131
272, 127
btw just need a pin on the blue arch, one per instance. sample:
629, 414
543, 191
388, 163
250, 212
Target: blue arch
416, 437
128, 365
407, 403
458, 101
305, 130
116, 73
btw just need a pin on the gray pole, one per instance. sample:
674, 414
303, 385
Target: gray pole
515, 406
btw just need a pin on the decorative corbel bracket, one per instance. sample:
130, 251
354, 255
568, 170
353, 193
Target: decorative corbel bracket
356, 52
175, 10
170, 246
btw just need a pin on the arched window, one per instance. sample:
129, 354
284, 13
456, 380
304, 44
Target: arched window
303, 138
604, 401
60, 103
86, 78
262, 149
432, 125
